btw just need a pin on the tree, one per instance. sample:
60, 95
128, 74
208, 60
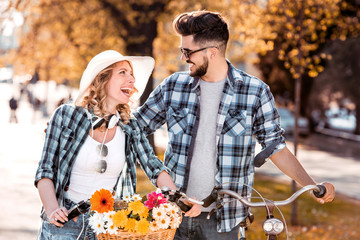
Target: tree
302, 29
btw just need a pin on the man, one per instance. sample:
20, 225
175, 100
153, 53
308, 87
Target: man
212, 113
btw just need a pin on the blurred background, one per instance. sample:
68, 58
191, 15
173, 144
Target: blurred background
306, 51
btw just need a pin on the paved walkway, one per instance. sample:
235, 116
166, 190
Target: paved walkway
20, 150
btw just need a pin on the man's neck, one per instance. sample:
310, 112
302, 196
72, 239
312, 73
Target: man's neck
217, 71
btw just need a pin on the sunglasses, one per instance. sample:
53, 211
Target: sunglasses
101, 165
187, 52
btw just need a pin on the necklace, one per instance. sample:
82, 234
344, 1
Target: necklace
102, 149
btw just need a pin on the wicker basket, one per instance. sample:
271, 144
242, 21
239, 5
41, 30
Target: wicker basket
167, 234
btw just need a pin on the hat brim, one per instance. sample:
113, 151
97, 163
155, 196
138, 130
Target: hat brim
142, 70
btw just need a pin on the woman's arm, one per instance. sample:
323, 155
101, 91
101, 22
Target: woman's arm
48, 198
164, 179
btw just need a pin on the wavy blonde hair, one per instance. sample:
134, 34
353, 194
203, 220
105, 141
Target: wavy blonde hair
95, 96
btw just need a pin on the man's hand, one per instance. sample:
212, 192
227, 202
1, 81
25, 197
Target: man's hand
329, 195
195, 209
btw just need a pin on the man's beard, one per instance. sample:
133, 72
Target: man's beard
201, 70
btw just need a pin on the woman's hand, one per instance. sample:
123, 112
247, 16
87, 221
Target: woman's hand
59, 214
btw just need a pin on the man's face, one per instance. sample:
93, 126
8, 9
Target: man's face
198, 60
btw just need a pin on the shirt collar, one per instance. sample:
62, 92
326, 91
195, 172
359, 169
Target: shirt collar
233, 77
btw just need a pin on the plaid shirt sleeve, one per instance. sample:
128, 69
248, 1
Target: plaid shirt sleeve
49, 160
149, 162
152, 114
267, 121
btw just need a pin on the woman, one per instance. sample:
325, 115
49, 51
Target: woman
94, 144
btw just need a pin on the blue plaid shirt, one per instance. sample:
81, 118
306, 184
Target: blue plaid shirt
246, 109
67, 131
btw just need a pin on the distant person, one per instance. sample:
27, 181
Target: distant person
36, 103
13, 104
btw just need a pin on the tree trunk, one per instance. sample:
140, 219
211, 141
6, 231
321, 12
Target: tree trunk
138, 33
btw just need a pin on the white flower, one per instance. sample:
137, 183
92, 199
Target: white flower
166, 206
136, 197
127, 198
98, 226
164, 222
112, 229
175, 222
95, 218
173, 211
154, 226
158, 213
158, 190
108, 216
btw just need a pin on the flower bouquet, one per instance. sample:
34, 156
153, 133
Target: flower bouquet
133, 217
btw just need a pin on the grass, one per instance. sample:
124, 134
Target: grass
332, 221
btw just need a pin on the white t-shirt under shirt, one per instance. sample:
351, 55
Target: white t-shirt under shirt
84, 179
203, 162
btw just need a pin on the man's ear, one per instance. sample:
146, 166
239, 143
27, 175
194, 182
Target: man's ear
213, 52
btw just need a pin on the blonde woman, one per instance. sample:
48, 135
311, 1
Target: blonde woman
94, 144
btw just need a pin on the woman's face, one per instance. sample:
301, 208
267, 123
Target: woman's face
120, 85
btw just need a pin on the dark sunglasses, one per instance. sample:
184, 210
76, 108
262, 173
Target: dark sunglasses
187, 52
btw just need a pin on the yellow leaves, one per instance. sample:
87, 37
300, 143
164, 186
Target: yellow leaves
293, 53
287, 65
289, 26
320, 68
289, 13
313, 73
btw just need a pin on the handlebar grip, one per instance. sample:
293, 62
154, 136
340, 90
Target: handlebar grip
322, 191
183, 206
211, 198
208, 201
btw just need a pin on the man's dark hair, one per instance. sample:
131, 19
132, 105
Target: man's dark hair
204, 25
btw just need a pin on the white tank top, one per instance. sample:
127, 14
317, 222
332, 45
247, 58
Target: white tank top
84, 179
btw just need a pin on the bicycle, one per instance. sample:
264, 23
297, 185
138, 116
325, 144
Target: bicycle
272, 226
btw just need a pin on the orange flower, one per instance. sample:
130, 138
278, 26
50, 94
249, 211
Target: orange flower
102, 201
130, 225
137, 207
120, 219
145, 213
142, 226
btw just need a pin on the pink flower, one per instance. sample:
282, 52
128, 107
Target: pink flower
154, 199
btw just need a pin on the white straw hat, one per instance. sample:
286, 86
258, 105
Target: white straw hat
142, 69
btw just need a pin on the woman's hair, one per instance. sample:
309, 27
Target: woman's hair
206, 27
95, 96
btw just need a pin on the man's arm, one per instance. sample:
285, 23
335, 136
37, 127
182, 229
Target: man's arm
289, 165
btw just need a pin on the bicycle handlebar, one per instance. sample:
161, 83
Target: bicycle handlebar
319, 192
176, 197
